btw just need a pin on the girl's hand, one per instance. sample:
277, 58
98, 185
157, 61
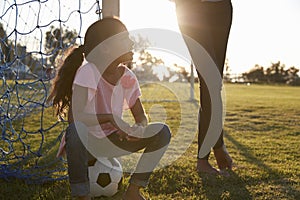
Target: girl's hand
124, 136
135, 133
124, 129
137, 130
120, 124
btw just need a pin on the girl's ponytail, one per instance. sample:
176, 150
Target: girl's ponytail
61, 92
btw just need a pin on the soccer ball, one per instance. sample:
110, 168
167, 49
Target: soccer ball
105, 177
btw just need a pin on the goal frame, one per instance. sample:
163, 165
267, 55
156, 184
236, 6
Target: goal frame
110, 8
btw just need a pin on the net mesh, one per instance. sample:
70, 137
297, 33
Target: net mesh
34, 34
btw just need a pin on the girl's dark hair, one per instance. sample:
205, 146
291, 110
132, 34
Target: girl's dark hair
99, 31
62, 86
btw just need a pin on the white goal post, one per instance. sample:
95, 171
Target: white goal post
110, 8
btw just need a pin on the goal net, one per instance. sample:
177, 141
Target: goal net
34, 34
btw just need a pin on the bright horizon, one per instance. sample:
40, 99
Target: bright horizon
263, 31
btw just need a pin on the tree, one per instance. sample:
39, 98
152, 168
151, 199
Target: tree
255, 75
292, 76
182, 70
227, 73
145, 62
140, 43
276, 73
7, 52
57, 40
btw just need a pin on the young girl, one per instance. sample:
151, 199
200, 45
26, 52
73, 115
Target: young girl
95, 86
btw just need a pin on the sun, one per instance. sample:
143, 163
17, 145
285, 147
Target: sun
137, 14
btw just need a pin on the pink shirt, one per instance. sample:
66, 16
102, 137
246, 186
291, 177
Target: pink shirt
105, 98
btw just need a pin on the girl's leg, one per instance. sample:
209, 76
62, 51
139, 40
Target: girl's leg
155, 143
156, 146
158, 137
77, 158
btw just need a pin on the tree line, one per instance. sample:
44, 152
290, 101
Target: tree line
274, 74
41, 62
58, 40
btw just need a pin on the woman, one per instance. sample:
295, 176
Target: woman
208, 22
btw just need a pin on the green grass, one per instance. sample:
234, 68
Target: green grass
262, 134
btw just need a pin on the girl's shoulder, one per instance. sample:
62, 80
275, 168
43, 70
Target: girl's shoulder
88, 68
87, 65
87, 71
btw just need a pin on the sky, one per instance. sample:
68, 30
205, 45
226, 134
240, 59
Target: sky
263, 31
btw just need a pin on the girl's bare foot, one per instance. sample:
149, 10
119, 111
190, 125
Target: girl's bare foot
224, 161
133, 193
203, 166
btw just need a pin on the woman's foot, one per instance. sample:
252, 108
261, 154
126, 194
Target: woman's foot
133, 193
224, 161
203, 166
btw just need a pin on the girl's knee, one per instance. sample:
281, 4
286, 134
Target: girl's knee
160, 132
165, 134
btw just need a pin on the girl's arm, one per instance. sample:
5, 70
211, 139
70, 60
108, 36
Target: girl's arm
140, 118
138, 113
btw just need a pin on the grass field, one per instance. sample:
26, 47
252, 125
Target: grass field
262, 134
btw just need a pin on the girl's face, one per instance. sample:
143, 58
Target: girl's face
122, 45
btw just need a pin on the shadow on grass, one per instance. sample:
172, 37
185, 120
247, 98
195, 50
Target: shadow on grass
274, 177
183, 182
220, 187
